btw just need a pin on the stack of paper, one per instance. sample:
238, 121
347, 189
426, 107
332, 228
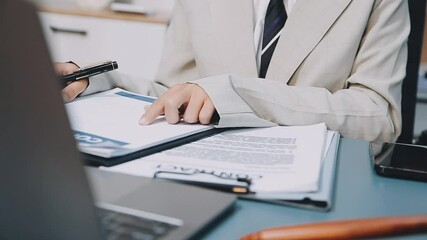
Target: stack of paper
282, 163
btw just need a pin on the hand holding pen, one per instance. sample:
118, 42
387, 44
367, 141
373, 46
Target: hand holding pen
76, 79
72, 90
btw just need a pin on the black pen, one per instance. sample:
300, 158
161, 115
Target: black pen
89, 71
239, 185
232, 188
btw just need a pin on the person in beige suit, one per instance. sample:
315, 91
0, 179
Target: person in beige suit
341, 62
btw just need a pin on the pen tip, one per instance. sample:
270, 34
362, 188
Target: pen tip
241, 190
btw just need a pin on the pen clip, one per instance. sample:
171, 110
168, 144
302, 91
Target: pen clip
234, 185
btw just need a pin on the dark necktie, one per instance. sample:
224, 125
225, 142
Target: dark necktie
274, 21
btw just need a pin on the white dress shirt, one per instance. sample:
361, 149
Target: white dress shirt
260, 10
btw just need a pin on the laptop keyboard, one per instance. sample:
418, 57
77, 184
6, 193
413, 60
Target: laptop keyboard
130, 224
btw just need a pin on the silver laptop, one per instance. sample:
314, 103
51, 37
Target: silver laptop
44, 189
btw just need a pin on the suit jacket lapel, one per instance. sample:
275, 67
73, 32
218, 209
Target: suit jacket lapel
308, 22
232, 22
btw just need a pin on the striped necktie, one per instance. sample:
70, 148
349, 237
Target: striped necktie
274, 21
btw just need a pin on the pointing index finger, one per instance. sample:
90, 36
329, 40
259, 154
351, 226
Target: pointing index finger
151, 113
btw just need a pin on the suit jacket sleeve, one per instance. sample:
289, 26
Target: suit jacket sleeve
367, 107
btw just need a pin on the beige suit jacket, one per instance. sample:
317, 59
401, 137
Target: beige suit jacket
337, 61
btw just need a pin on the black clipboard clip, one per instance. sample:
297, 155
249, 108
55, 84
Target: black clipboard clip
218, 182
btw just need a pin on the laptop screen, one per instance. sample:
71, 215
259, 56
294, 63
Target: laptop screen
44, 191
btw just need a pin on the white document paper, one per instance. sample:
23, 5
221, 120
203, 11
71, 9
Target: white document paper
327, 176
106, 124
277, 159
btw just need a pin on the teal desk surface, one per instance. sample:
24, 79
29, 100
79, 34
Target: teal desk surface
359, 193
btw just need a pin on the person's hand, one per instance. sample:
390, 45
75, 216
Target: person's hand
72, 90
188, 101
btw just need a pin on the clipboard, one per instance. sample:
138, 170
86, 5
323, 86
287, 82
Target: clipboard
97, 161
107, 132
